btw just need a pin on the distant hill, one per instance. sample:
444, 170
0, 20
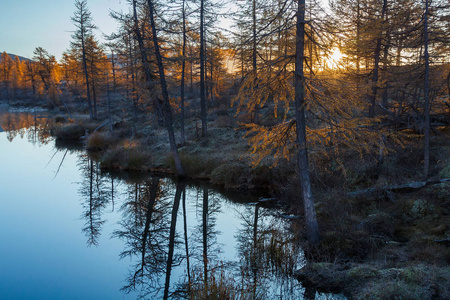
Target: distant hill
13, 56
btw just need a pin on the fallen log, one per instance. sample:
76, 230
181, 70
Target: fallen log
402, 188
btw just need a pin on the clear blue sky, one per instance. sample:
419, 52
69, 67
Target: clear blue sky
27, 24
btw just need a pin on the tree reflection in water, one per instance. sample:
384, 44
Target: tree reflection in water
33, 124
145, 227
268, 255
159, 242
96, 195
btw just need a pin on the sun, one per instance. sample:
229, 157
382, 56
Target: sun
334, 59
336, 55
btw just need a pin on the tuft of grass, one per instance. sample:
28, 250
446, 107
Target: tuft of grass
112, 158
99, 141
220, 285
129, 155
69, 132
232, 174
195, 165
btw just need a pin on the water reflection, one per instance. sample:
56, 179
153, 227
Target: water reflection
34, 124
96, 194
144, 227
179, 240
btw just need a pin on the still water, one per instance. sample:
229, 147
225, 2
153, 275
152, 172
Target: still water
69, 231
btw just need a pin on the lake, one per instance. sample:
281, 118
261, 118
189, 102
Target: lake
70, 231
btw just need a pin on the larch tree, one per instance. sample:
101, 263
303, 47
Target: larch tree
82, 19
97, 65
183, 72
165, 101
312, 227
70, 68
31, 74
163, 105
249, 20
202, 46
426, 146
47, 68
6, 64
17, 76
436, 45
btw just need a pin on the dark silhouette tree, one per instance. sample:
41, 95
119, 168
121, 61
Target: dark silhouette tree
82, 19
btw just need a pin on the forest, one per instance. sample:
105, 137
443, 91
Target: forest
341, 112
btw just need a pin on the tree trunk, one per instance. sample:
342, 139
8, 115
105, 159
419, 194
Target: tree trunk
133, 84
312, 227
148, 217
205, 235
113, 69
183, 71
173, 223
94, 97
86, 75
202, 71
358, 40
186, 244
165, 105
426, 145
376, 66
254, 54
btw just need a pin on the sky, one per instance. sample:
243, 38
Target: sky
27, 24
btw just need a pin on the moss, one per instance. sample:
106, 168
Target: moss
445, 172
362, 272
422, 208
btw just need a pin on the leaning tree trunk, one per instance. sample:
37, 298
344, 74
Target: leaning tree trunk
312, 227
165, 103
163, 106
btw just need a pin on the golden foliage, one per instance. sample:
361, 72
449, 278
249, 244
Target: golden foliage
336, 121
257, 89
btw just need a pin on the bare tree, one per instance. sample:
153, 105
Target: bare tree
164, 105
82, 20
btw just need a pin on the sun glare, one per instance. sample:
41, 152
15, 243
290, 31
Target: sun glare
334, 59
336, 55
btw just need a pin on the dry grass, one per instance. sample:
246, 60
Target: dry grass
69, 131
98, 141
128, 155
